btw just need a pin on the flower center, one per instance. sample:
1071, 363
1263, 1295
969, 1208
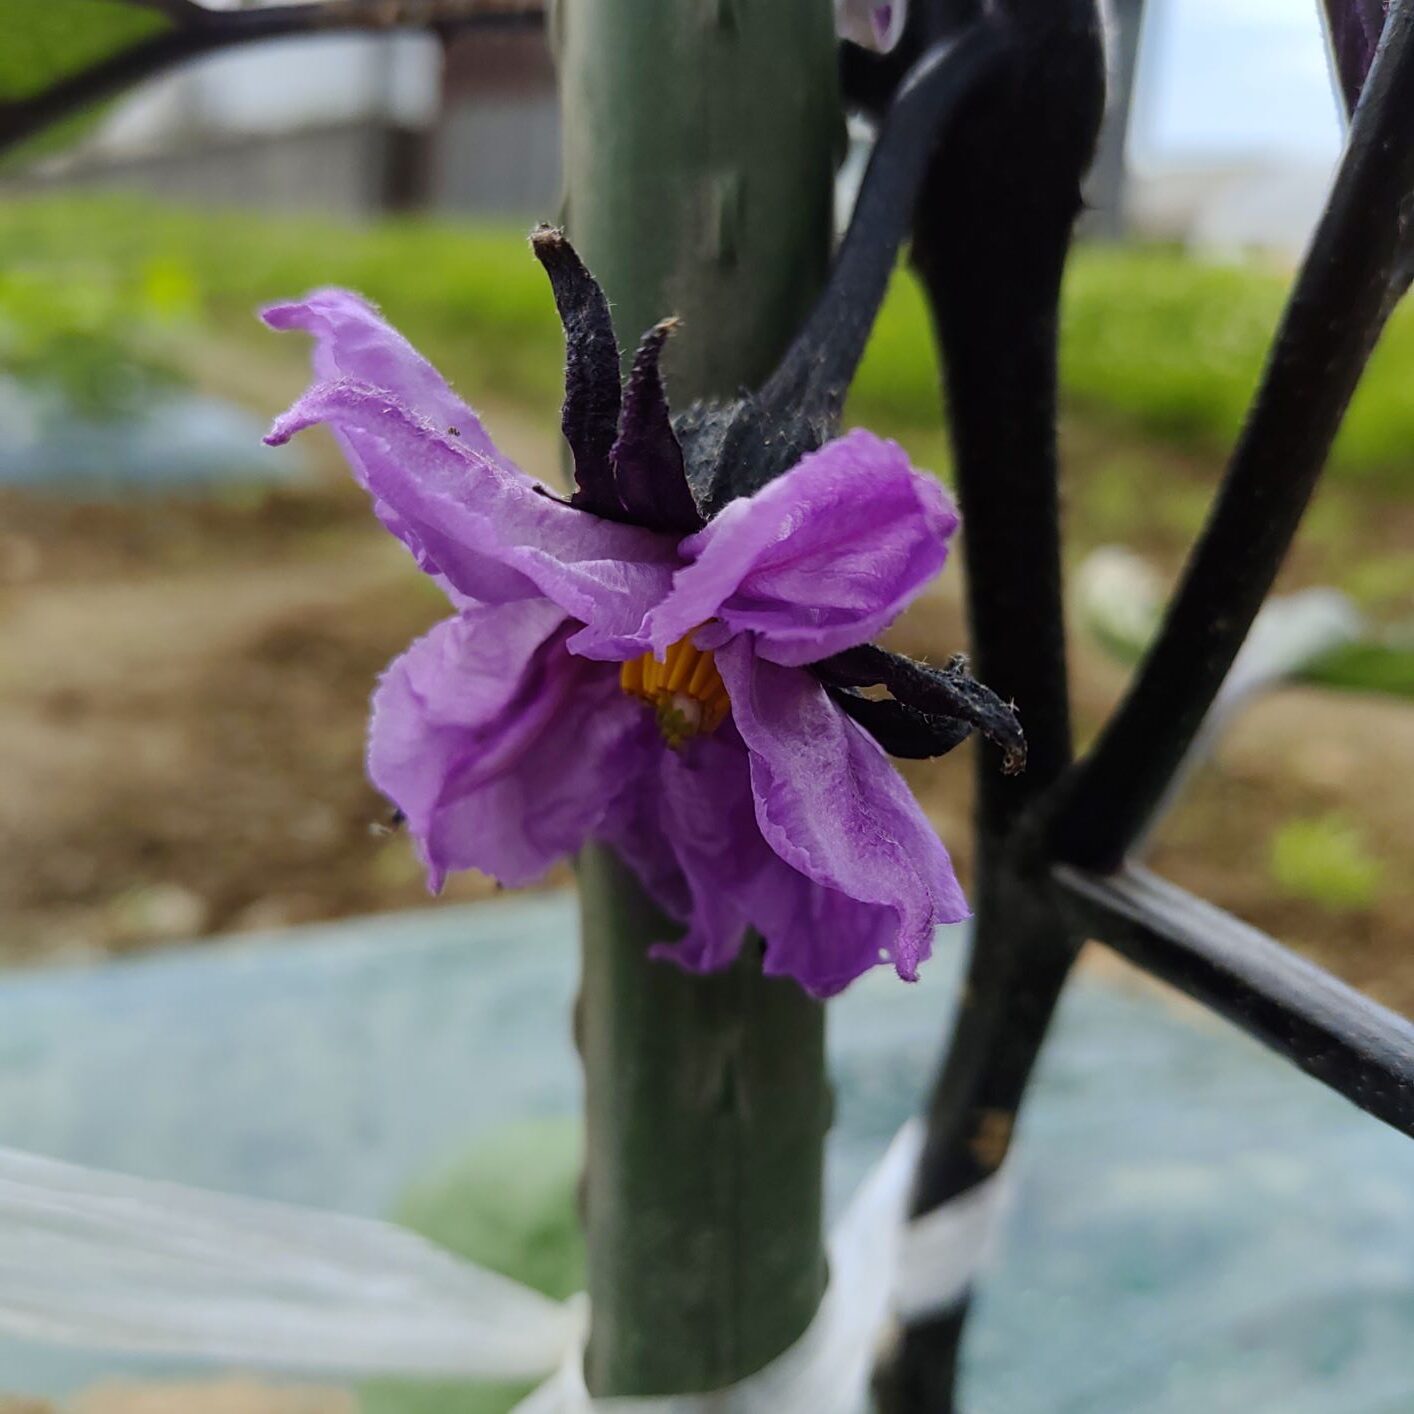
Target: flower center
685, 690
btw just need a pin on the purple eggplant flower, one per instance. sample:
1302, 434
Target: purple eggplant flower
635, 684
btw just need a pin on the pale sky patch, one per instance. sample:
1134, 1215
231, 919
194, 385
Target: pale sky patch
1234, 79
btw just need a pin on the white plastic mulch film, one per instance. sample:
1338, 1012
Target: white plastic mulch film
108, 1262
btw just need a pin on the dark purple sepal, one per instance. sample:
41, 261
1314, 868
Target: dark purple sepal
945, 692
902, 731
1354, 28
590, 418
647, 458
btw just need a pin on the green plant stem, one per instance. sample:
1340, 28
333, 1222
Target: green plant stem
700, 140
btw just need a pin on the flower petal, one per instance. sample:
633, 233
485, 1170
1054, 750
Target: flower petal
829, 802
819, 560
821, 937
493, 535
871, 24
633, 829
707, 818
503, 750
707, 863
351, 340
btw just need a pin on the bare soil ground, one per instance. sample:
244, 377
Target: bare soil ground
183, 690
217, 1397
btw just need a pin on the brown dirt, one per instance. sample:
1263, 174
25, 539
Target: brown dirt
218, 1397
182, 699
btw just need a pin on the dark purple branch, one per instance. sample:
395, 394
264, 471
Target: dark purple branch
1337, 308
736, 449
199, 31
990, 238
820, 363
1332, 1032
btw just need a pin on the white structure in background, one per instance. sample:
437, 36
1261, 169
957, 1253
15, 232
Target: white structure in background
1232, 141
321, 81
345, 124
1227, 208
1236, 128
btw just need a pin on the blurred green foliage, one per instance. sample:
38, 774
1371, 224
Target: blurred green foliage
1155, 343
1164, 345
1382, 664
1325, 860
47, 40
1175, 347
472, 296
92, 332
509, 1205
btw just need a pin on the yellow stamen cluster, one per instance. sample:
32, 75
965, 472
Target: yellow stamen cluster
685, 690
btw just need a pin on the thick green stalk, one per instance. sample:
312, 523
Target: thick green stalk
700, 138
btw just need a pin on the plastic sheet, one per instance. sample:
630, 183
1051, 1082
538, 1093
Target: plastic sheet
106, 1261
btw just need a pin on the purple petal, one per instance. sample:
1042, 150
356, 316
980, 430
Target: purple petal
698, 850
503, 750
707, 816
872, 24
822, 938
820, 560
832, 806
493, 535
352, 341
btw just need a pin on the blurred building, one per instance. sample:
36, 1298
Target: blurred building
1228, 206
344, 124
358, 124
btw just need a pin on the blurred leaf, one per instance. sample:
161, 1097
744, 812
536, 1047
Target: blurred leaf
1375, 665
510, 1206
50, 40
87, 333
1119, 596
1326, 861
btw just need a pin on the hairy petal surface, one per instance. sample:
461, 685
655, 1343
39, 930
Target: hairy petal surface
352, 340
731, 880
707, 817
493, 535
819, 560
503, 750
829, 802
633, 828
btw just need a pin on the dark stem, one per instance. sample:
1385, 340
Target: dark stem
201, 31
991, 236
1019, 963
1346, 1041
735, 449
820, 363
1334, 316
